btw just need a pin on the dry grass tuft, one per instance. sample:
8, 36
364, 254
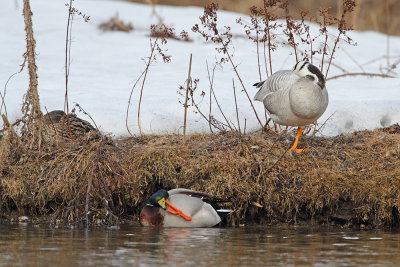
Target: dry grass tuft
115, 24
349, 179
393, 129
376, 15
163, 32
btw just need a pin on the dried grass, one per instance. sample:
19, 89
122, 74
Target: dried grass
377, 15
350, 179
115, 24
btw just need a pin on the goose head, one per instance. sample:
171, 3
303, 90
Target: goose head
306, 69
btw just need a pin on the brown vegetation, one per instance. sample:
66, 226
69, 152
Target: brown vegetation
115, 24
31, 105
376, 15
50, 172
351, 179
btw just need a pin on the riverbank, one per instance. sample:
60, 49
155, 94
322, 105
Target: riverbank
348, 180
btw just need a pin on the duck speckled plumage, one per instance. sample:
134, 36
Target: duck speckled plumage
56, 125
295, 97
182, 208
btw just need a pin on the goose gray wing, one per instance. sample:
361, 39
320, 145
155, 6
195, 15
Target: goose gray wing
307, 99
299, 104
277, 81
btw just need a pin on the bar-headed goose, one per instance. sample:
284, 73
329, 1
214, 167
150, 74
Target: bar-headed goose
295, 97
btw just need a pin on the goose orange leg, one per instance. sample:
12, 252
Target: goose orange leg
296, 141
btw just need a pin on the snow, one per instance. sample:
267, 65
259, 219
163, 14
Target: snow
105, 65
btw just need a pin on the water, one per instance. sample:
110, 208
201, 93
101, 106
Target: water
39, 245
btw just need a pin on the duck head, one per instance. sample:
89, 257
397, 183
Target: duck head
151, 214
159, 199
306, 69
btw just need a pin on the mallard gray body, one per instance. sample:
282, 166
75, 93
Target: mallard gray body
181, 208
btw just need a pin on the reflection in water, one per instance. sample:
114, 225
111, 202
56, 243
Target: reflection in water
28, 245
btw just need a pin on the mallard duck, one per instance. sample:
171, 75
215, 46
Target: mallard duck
182, 208
56, 125
295, 97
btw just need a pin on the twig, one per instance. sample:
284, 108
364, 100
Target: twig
353, 59
68, 43
269, 49
152, 48
211, 81
374, 60
348, 6
339, 67
323, 124
87, 114
6, 123
387, 33
31, 106
258, 56
265, 60
129, 103
89, 187
3, 96
68, 63
3, 101
361, 74
276, 162
236, 106
324, 30
210, 94
11, 124
186, 97
209, 120
51, 121
209, 21
289, 27
244, 88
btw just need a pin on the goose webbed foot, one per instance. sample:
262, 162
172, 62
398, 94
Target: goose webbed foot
296, 142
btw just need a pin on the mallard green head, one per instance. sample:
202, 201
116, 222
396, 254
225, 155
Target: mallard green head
159, 198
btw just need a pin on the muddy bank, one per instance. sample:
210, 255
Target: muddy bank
350, 180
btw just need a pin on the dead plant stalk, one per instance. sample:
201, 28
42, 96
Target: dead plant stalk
150, 59
31, 106
361, 74
244, 88
211, 81
342, 27
209, 21
68, 62
187, 96
129, 102
236, 106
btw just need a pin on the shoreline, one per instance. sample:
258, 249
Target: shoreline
350, 180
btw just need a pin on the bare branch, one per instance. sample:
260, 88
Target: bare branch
361, 74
